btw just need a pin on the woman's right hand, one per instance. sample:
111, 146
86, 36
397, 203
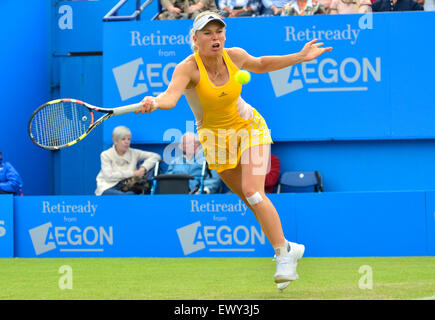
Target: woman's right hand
148, 105
139, 172
173, 9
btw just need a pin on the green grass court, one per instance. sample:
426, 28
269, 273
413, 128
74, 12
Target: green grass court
217, 278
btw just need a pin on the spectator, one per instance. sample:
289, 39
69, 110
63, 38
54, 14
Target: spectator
10, 180
396, 5
326, 4
429, 5
272, 177
185, 9
239, 8
350, 6
190, 162
273, 7
120, 162
303, 8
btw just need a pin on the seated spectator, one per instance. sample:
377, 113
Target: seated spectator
396, 5
239, 8
10, 180
185, 9
272, 177
326, 4
350, 6
303, 8
429, 5
120, 162
190, 162
273, 7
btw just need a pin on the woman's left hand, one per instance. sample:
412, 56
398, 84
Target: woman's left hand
312, 50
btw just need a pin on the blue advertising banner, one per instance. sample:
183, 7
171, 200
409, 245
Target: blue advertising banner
362, 224
360, 90
430, 221
6, 226
220, 225
137, 226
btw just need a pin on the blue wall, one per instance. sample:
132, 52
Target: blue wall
6, 226
379, 140
377, 136
372, 165
77, 73
24, 85
328, 224
358, 91
365, 146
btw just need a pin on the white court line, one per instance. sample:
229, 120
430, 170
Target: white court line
338, 89
232, 250
426, 298
81, 250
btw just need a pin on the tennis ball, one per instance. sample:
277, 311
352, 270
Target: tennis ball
243, 76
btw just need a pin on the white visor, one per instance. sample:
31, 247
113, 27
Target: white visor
201, 22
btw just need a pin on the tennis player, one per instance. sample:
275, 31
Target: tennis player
235, 137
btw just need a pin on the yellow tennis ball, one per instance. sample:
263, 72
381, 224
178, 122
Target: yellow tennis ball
243, 76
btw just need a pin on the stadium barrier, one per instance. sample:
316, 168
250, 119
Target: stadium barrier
220, 225
6, 226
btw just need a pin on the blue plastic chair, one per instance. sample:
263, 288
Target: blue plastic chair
298, 181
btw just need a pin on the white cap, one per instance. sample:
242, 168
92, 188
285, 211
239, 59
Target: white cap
201, 22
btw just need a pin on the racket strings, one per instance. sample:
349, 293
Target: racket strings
60, 123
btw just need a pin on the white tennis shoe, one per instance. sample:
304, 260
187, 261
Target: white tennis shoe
286, 265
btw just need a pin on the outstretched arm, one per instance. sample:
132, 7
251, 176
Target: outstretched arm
263, 64
169, 98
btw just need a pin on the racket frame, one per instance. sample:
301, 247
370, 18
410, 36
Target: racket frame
110, 112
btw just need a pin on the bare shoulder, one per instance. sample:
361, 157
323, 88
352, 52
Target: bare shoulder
189, 67
237, 55
188, 64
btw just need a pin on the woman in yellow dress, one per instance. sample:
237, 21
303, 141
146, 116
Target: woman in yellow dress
234, 135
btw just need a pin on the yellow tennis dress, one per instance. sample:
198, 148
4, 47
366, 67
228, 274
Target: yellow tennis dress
226, 124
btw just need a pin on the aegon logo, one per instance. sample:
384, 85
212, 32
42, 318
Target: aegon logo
134, 78
195, 237
327, 75
2, 229
70, 239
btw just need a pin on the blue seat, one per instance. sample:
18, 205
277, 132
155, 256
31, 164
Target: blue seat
299, 181
173, 184
176, 183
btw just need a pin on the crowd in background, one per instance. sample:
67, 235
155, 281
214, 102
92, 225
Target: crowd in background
189, 9
129, 171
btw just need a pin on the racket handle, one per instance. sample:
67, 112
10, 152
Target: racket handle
127, 109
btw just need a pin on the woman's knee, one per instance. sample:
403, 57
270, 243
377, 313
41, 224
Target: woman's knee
254, 198
250, 186
252, 193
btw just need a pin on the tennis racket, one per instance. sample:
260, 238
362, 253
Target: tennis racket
62, 123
